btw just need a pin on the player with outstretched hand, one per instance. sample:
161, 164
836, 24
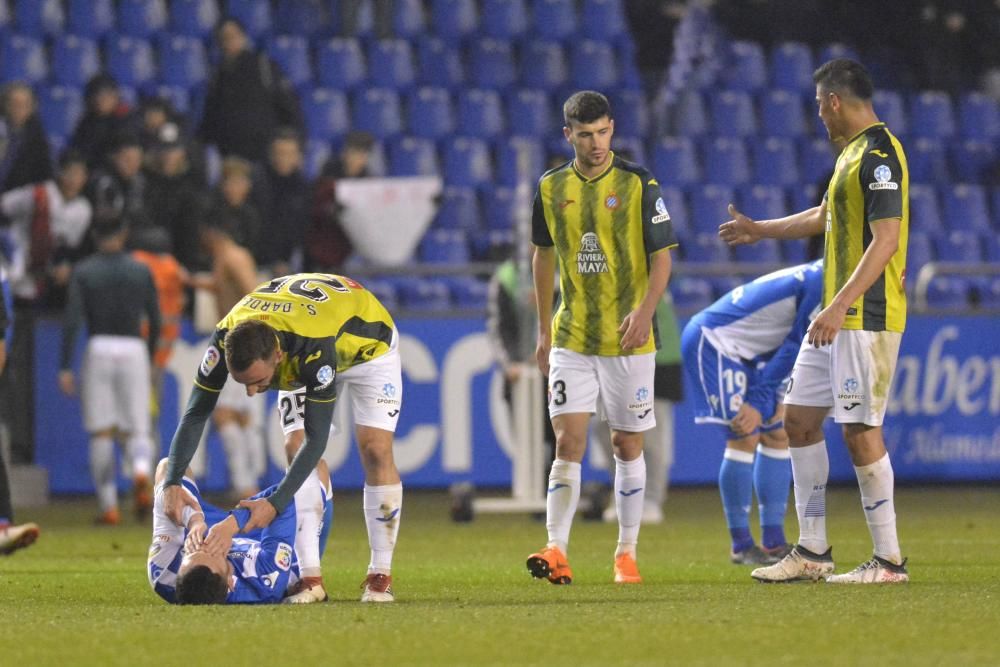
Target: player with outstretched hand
325, 334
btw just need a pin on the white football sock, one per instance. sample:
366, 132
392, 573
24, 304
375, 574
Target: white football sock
810, 470
561, 502
102, 471
383, 506
876, 481
240, 474
140, 451
309, 517
630, 492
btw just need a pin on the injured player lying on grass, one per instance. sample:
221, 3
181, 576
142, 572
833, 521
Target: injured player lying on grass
205, 562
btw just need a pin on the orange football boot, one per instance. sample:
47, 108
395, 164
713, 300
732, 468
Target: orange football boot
550, 563
626, 571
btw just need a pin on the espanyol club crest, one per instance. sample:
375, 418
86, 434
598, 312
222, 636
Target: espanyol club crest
612, 202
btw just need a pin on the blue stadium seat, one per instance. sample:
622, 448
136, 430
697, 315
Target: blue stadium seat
291, 53
691, 294
503, 19
947, 293
991, 249
468, 292
454, 20
555, 19
39, 18
255, 15
141, 19
709, 207
931, 115
816, 159
307, 18
835, 50
467, 163
723, 285
22, 58
510, 152
888, 105
966, 207
60, 109
919, 252
74, 60
995, 201
340, 64
543, 65
781, 114
326, 114
593, 66
805, 196
958, 246
925, 214
631, 113
459, 209
529, 112
430, 113
444, 246
629, 77
90, 18
413, 156
774, 162
732, 114
480, 114
763, 202
390, 64
317, 153
376, 111
492, 64
602, 19
423, 294
680, 217
493, 245
385, 291
440, 63
989, 293
795, 251
500, 208
725, 161
689, 117
979, 116
747, 69
763, 251
675, 162
628, 148
408, 19
194, 18
178, 97
129, 60
791, 67
557, 148
183, 61
973, 161
926, 161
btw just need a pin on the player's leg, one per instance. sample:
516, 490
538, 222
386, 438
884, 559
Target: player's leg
132, 388
101, 411
772, 478
863, 364
229, 418
736, 491
12, 537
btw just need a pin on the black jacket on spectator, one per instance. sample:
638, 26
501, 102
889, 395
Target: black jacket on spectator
247, 99
177, 204
110, 194
30, 161
96, 135
283, 203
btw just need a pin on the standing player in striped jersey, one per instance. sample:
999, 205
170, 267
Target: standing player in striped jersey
602, 221
849, 357
324, 334
738, 353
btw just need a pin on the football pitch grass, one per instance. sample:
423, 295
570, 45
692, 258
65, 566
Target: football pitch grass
79, 596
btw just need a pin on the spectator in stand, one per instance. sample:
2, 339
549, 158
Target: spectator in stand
327, 246
105, 118
281, 193
231, 208
48, 228
248, 98
176, 198
119, 189
159, 124
24, 148
652, 24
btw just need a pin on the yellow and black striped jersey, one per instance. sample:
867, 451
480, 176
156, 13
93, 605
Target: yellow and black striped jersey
870, 182
603, 229
325, 324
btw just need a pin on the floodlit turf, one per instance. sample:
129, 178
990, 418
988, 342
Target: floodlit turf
80, 597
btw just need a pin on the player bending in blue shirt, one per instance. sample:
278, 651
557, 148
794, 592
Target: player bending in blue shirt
261, 567
738, 353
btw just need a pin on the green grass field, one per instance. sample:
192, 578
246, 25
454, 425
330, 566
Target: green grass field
80, 597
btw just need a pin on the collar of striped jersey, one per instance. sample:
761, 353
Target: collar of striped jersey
611, 163
873, 125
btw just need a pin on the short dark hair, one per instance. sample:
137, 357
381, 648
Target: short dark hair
247, 342
107, 223
200, 585
71, 156
586, 106
844, 75
286, 133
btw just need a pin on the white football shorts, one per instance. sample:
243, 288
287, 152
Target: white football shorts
375, 390
624, 385
853, 375
114, 389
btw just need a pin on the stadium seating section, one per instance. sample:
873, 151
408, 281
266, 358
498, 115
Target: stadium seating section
471, 90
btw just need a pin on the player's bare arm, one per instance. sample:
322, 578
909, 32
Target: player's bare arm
742, 230
638, 324
885, 242
543, 267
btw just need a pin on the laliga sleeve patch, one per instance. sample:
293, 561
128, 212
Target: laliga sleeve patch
283, 557
210, 360
324, 377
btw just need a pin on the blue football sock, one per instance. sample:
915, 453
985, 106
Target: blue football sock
772, 477
736, 488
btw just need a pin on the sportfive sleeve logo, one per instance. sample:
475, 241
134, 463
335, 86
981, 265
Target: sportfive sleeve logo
883, 179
